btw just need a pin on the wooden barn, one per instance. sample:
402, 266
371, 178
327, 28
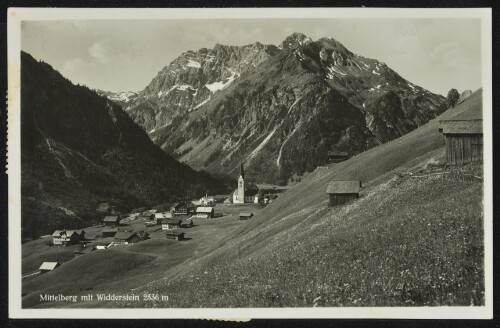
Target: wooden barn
341, 192
48, 266
109, 232
245, 215
174, 234
111, 220
126, 237
464, 133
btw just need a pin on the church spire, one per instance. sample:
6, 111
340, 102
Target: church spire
242, 170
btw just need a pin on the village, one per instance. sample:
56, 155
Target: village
183, 222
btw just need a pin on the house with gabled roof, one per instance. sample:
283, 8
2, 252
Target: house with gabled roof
48, 266
67, 237
341, 192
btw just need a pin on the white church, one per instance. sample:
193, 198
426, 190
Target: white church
245, 194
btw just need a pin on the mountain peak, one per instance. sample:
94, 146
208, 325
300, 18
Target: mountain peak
294, 40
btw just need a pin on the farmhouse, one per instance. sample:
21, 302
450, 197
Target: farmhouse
168, 224
205, 212
341, 192
48, 266
464, 134
179, 209
126, 237
175, 234
337, 157
245, 215
109, 232
159, 217
111, 220
82, 249
67, 237
207, 201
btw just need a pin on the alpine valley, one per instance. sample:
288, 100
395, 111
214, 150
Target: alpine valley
280, 109
80, 150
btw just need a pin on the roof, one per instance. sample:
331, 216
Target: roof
163, 215
111, 218
469, 120
246, 214
110, 230
343, 187
69, 233
48, 266
171, 221
196, 202
204, 209
124, 235
57, 233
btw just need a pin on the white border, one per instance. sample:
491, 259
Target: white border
16, 15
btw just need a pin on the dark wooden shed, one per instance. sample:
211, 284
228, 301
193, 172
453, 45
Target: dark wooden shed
464, 133
341, 192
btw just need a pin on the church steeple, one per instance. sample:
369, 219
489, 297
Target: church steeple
242, 170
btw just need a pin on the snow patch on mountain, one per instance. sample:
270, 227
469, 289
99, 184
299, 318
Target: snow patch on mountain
220, 85
194, 64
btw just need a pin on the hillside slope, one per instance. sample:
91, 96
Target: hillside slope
79, 149
280, 109
407, 241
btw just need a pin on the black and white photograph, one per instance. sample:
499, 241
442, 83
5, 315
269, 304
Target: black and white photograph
246, 163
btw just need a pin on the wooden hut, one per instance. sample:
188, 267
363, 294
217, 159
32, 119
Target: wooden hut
109, 232
48, 266
464, 133
245, 215
174, 234
111, 220
341, 192
126, 237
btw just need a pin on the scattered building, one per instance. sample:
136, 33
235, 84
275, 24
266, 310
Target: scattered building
175, 234
341, 192
337, 157
181, 208
245, 215
205, 212
111, 220
464, 135
109, 232
207, 201
48, 266
159, 217
168, 224
126, 237
82, 249
67, 237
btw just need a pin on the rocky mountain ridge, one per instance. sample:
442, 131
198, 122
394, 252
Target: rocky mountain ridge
279, 109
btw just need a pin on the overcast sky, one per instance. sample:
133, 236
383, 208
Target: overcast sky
125, 55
